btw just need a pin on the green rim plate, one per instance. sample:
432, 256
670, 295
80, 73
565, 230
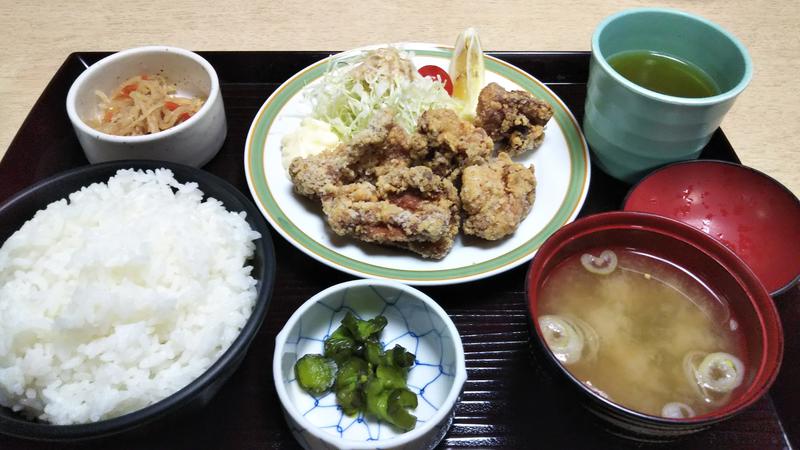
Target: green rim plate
255, 161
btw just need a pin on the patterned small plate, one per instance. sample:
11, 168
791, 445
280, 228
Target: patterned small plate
561, 164
416, 322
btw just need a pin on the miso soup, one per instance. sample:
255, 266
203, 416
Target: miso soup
643, 333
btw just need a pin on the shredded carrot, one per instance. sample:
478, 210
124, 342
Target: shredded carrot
153, 108
126, 91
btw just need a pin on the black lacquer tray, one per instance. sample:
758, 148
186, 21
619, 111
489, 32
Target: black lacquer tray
508, 401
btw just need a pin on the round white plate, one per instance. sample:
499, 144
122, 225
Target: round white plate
561, 164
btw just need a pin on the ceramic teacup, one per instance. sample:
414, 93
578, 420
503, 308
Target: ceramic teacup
633, 130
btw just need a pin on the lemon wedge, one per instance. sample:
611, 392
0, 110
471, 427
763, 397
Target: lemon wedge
467, 71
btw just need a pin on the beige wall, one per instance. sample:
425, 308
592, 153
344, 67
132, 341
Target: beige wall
37, 36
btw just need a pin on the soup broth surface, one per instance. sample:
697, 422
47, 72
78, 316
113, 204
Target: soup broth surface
642, 321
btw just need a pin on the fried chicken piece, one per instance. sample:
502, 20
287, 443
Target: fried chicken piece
496, 197
395, 148
515, 119
311, 175
370, 153
407, 207
452, 143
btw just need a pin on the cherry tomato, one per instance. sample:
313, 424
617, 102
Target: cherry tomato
437, 73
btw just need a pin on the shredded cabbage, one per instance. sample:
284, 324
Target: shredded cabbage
347, 99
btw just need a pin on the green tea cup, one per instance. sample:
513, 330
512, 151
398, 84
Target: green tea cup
632, 130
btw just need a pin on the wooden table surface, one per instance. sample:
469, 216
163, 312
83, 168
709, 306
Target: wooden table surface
38, 35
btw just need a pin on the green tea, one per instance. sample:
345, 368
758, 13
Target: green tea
664, 74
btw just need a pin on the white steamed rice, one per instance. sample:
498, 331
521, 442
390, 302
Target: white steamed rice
120, 297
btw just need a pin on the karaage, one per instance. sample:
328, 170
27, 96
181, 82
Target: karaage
452, 143
391, 187
514, 119
407, 207
496, 197
371, 152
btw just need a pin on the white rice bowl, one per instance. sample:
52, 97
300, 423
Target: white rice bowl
120, 297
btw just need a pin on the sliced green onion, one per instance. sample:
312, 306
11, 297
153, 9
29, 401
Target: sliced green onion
567, 337
713, 376
677, 410
721, 372
604, 264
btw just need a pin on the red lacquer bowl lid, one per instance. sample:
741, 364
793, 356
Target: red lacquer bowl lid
748, 211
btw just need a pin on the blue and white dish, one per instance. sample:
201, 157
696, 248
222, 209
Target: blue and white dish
416, 322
